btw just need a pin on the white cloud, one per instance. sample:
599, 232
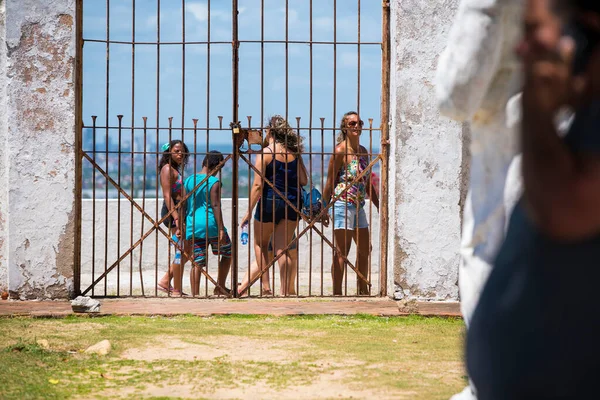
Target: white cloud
198, 10
349, 59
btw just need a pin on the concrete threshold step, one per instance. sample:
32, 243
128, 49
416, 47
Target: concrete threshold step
208, 307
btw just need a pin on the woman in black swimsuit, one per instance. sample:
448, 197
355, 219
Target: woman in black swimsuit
280, 163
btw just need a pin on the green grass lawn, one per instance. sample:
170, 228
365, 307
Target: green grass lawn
232, 357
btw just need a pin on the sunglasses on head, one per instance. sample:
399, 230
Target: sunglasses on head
354, 123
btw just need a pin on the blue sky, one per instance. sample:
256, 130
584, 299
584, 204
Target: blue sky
170, 74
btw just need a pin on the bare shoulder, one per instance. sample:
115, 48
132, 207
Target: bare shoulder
341, 148
265, 156
167, 171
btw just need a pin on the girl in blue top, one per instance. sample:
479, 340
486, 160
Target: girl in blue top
204, 223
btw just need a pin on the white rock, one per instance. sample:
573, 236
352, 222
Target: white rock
398, 292
101, 348
85, 304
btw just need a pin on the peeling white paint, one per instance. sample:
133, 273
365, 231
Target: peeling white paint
3, 156
426, 156
39, 155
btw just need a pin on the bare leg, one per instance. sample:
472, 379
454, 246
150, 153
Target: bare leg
165, 281
262, 233
293, 272
195, 280
363, 249
224, 266
282, 236
179, 268
343, 241
177, 278
265, 279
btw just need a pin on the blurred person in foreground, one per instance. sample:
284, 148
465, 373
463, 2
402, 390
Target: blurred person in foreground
478, 81
535, 332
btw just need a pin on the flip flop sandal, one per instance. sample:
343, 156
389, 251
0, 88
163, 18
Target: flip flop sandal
164, 289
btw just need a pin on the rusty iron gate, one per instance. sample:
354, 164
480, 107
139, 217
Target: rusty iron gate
124, 70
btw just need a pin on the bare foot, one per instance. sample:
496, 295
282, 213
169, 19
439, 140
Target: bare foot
223, 291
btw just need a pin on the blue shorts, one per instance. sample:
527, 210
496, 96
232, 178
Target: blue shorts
347, 216
200, 248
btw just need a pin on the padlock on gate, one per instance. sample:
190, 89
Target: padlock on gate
240, 134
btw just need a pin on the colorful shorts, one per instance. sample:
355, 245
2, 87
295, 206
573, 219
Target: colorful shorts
222, 249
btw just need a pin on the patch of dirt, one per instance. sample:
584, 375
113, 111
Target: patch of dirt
234, 348
327, 386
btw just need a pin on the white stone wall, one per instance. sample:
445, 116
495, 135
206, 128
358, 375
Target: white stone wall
39, 133
426, 177
3, 156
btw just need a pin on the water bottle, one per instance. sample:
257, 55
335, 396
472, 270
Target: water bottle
177, 260
244, 235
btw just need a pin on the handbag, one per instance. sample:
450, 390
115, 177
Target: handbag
311, 202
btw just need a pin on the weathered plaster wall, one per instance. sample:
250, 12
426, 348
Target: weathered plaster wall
426, 178
40, 111
3, 157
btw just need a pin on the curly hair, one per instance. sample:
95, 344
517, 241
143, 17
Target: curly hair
283, 134
166, 156
342, 135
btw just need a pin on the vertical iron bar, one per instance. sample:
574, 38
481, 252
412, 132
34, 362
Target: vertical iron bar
145, 119
385, 148
93, 205
250, 236
310, 135
287, 63
170, 230
158, 153
78, 146
106, 127
120, 122
179, 210
358, 62
369, 275
262, 104
234, 205
132, 145
298, 225
322, 188
207, 107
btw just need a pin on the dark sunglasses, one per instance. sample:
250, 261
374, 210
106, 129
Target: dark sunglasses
354, 123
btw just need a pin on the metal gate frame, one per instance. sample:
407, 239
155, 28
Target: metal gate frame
236, 156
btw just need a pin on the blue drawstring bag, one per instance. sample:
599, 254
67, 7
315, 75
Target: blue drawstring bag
311, 202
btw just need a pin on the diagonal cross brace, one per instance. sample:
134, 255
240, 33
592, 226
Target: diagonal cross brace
155, 225
314, 221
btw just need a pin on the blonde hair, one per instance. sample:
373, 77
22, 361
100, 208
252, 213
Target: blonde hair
342, 134
283, 134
